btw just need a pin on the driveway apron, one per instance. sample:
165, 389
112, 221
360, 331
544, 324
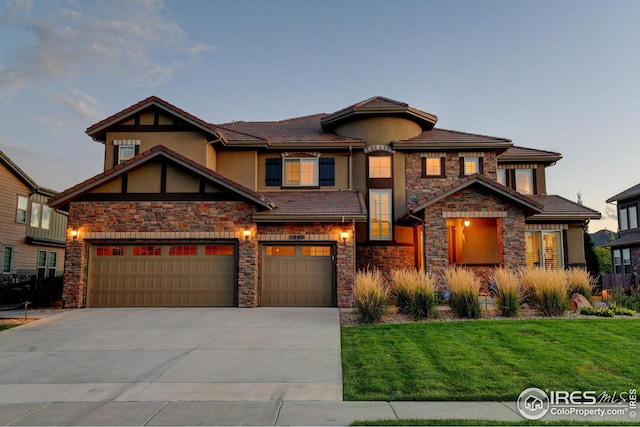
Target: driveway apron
174, 354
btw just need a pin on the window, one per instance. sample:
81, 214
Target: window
147, 250
473, 241
524, 181
281, 250
8, 259
126, 152
21, 211
544, 249
628, 217
218, 250
470, 165
109, 250
316, 251
53, 261
325, 168
380, 214
502, 176
301, 172
183, 250
622, 261
380, 167
42, 264
432, 166
35, 214
46, 217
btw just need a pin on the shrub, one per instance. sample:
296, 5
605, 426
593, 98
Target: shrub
370, 295
464, 292
507, 290
602, 312
629, 300
547, 289
414, 292
579, 282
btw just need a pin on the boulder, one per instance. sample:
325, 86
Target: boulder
578, 302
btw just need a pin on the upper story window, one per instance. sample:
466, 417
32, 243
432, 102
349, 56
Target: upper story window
628, 217
46, 217
622, 261
21, 211
35, 214
125, 149
433, 167
470, 165
379, 166
524, 181
300, 171
380, 214
126, 152
502, 176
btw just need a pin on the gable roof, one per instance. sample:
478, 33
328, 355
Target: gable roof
451, 139
298, 132
559, 208
626, 194
158, 151
476, 179
23, 177
98, 130
524, 154
316, 206
375, 107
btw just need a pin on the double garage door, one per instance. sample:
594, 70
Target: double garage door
188, 275
179, 275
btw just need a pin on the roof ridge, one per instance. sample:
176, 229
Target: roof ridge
472, 134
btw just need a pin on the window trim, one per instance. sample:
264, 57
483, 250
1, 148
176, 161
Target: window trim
382, 192
463, 162
387, 157
35, 220
560, 252
119, 159
11, 251
625, 217
425, 173
530, 176
25, 210
300, 160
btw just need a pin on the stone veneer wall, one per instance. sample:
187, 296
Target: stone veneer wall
469, 201
321, 233
418, 187
385, 257
120, 219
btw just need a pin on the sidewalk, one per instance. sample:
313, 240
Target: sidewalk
256, 413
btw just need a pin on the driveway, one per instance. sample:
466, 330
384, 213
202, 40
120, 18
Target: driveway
174, 354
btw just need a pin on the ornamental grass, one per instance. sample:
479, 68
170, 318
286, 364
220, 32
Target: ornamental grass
547, 289
414, 292
464, 292
579, 282
507, 291
370, 296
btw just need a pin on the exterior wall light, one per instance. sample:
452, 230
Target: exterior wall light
246, 234
74, 233
344, 236
467, 223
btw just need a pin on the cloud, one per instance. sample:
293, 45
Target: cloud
80, 103
131, 41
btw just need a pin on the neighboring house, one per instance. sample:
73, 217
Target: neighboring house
32, 234
600, 237
188, 213
625, 248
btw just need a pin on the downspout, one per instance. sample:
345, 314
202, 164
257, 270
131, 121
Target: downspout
350, 166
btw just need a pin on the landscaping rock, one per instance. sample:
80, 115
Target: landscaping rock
578, 302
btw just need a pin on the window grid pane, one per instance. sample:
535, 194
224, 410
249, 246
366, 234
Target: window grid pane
8, 255
147, 250
316, 251
626, 260
42, 259
471, 165
380, 167
624, 223
109, 250
524, 181
183, 250
502, 176
308, 171
380, 214
281, 250
433, 166
126, 152
21, 213
35, 215
46, 217
632, 213
218, 250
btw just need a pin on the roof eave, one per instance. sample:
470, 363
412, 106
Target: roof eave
424, 145
563, 217
273, 217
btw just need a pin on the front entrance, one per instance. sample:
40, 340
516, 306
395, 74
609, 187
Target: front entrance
298, 276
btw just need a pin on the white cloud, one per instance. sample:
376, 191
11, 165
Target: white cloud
131, 41
80, 103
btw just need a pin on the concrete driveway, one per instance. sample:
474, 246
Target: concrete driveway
174, 354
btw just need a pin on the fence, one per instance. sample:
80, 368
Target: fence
612, 281
39, 292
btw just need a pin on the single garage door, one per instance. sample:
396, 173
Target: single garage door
297, 276
178, 275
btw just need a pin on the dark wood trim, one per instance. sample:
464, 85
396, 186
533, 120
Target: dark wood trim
156, 118
163, 177
442, 169
150, 128
565, 247
153, 197
203, 184
136, 120
125, 184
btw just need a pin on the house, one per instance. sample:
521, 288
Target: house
32, 233
188, 213
625, 248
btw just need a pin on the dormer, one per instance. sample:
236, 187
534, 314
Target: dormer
523, 169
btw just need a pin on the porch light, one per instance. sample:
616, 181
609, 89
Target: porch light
344, 236
467, 223
246, 234
74, 233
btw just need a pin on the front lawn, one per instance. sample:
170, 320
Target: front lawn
488, 360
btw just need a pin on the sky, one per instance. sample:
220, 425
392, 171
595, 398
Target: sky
548, 74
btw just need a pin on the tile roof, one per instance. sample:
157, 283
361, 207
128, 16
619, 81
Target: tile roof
67, 196
98, 130
524, 154
379, 106
313, 205
557, 207
628, 240
626, 194
295, 131
444, 138
494, 186
22, 176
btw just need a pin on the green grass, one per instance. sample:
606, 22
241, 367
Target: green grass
488, 360
462, 422
8, 326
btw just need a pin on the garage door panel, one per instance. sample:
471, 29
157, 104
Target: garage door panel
169, 275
